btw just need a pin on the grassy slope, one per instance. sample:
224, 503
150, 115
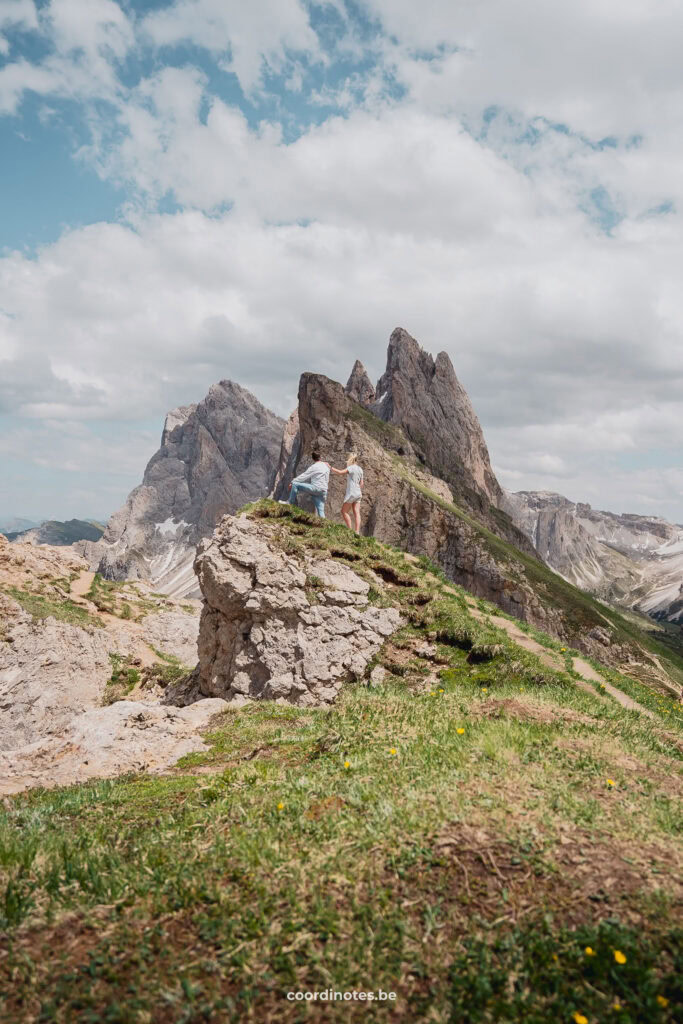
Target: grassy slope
582, 611
459, 840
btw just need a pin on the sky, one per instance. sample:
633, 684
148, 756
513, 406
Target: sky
208, 189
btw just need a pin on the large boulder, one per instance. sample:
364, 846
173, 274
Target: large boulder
284, 626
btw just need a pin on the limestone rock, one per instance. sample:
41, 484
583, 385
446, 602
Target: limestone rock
105, 742
400, 508
424, 397
280, 626
52, 670
634, 561
214, 457
289, 453
359, 387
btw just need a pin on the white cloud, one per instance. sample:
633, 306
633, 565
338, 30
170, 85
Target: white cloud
88, 38
257, 35
598, 66
546, 265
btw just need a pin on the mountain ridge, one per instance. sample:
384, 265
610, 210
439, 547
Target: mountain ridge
631, 559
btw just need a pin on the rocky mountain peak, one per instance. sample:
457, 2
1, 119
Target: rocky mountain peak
424, 396
176, 418
359, 386
632, 560
214, 457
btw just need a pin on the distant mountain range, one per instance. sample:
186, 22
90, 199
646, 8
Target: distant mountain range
55, 532
430, 489
632, 560
17, 524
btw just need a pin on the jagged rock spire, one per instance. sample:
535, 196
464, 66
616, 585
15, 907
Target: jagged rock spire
424, 397
359, 386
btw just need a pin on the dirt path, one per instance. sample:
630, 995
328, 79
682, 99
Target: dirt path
553, 660
588, 672
81, 586
142, 650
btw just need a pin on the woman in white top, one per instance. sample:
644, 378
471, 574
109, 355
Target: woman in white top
354, 491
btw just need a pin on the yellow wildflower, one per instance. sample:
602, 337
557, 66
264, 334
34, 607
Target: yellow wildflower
392, 751
663, 1001
484, 690
347, 764
610, 782
555, 957
432, 693
562, 650
589, 951
616, 1006
280, 807
580, 1019
460, 731
619, 956
441, 691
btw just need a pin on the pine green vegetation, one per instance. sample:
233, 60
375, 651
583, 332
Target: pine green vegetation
475, 833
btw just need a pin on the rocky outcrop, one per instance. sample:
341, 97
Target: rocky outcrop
424, 397
214, 457
359, 386
289, 452
408, 507
283, 626
105, 742
635, 561
56, 646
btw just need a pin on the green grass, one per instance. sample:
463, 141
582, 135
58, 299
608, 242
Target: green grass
123, 679
666, 707
443, 842
169, 669
580, 610
41, 606
116, 598
388, 434
555, 979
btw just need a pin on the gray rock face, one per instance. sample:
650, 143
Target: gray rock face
359, 387
105, 742
635, 561
280, 626
424, 397
51, 671
404, 509
289, 453
214, 457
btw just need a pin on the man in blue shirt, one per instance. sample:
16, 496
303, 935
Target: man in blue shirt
315, 481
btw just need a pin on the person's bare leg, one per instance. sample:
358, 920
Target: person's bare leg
346, 515
356, 515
